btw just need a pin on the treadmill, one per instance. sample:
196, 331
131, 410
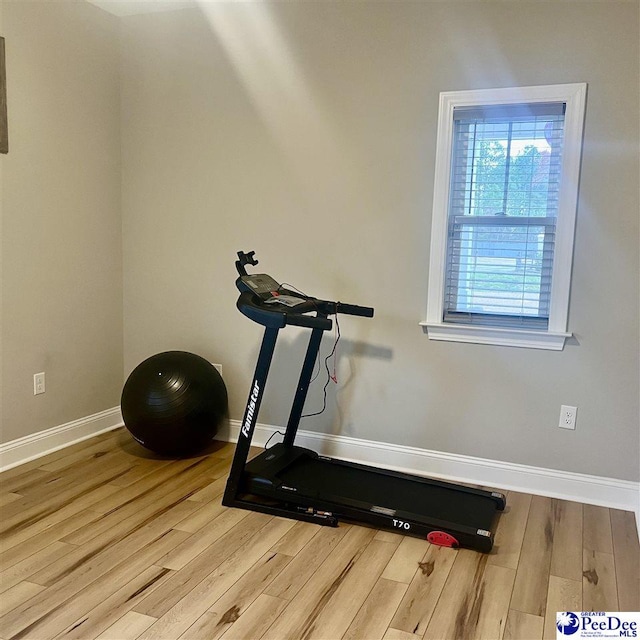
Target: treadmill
294, 482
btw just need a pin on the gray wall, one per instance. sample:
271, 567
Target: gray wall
61, 223
306, 131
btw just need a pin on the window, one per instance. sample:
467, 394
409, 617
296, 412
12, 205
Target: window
505, 197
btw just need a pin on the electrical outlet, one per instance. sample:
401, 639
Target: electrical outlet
38, 383
568, 417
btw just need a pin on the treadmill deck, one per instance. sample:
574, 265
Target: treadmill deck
300, 477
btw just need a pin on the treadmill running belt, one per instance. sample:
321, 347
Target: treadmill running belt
377, 489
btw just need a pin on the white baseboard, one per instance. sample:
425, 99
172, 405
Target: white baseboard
607, 492
40, 444
577, 487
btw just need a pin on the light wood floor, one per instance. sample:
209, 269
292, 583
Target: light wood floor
101, 540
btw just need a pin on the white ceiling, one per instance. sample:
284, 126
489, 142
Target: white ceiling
132, 7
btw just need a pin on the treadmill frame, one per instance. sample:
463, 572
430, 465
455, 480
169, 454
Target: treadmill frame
247, 487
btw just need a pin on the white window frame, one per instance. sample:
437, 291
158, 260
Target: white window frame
554, 337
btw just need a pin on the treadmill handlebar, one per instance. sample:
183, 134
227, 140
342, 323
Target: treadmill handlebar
355, 310
268, 316
329, 307
275, 318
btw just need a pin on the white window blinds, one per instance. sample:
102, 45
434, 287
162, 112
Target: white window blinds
503, 207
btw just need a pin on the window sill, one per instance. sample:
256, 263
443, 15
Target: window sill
528, 339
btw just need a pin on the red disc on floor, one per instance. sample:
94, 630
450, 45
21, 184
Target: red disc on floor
443, 539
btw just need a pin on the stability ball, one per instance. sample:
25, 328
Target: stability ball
173, 403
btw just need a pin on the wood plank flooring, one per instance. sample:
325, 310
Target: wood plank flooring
104, 540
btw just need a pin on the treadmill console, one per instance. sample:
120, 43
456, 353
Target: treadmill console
267, 302
260, 284
268, 290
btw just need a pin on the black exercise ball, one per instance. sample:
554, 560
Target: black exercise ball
174, 402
